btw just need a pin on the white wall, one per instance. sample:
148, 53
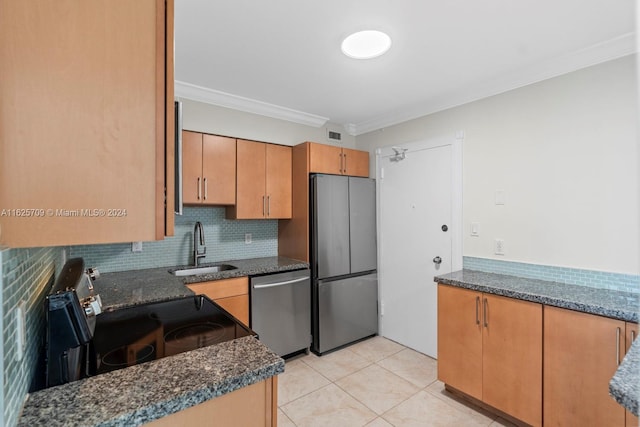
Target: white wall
207, 118
565, 151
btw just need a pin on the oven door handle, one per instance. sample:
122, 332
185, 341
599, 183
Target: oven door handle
287, 282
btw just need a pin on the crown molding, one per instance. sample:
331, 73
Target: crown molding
598, 53
227, 100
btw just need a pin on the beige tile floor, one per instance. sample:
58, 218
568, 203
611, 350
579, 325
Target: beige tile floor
373, 383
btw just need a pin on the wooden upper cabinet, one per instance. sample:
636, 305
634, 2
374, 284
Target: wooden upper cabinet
355, 162
84, 144
325, 159
579, 360
278, 181
337, 161
208, 169
263, 180
191, 167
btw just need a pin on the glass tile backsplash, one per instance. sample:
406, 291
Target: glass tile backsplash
572, 276
26, 275
224, 239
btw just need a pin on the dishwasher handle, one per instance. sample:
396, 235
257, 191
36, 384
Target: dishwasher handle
287, 282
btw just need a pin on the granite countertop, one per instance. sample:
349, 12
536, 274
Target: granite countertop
145, 392
142, 393
127, 288
604, 302
624, 386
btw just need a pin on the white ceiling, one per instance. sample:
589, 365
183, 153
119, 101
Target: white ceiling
282, 58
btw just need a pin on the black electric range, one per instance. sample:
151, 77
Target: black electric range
152, 331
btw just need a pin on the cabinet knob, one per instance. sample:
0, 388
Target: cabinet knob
437, 260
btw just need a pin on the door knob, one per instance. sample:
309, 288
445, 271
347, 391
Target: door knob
437, 260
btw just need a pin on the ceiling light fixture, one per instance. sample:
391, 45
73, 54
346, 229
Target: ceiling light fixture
366, 44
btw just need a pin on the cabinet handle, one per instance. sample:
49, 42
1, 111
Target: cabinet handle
477, 310
340, 155
485, 306
633, 336
269, 205
206, 189
199, 189
263, 205
344, 156
618, 346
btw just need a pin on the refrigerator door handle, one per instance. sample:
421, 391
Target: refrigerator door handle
287, 282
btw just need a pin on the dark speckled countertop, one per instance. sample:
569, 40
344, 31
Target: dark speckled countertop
625, 385
145, 392
127, 288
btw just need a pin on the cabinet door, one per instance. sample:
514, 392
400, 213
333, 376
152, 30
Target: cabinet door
238, 306
251, 176
512, 357
460, 339
631, 335
218, 170
278, 181
579, 361
325, 159
83, 120
355, 162
222, 288
191, 167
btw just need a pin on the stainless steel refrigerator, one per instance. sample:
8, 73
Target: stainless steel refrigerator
343, 260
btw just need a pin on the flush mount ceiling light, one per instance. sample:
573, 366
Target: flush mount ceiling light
366, 44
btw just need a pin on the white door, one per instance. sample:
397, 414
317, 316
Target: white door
419, 205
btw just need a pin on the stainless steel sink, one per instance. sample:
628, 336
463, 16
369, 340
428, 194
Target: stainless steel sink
192, 271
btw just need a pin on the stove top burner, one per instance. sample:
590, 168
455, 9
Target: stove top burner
128, 356
196, 335
151, 331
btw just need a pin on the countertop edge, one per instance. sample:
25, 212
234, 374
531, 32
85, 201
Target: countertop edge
625, 315
620, 388
160, 409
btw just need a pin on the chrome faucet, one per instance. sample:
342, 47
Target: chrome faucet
198, 233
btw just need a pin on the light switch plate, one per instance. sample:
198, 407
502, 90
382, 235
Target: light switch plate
475, 229
247, 238
136, 247
500, 197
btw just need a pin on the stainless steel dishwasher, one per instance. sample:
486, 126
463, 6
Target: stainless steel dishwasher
281, 311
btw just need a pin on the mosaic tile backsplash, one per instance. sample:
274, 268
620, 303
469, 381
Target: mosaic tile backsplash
224, 239
26, 277
572, 276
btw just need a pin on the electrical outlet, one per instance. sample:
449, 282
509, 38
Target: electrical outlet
136, 247
499, 247
247, 238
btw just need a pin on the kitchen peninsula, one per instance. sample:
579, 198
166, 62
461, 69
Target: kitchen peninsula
156, 391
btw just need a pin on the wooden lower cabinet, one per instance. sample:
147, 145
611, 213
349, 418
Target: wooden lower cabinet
490, 347
580, 358
230, 294
254, 405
